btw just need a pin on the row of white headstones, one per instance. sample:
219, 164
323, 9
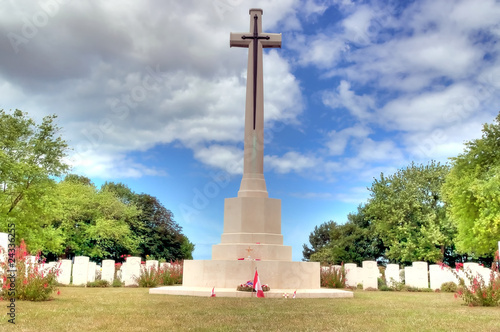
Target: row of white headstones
83, 270
419, 275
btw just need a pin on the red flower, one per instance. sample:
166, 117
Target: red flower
58, 292
45, 285
25, 281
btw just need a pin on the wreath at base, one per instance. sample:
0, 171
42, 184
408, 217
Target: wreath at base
248, 287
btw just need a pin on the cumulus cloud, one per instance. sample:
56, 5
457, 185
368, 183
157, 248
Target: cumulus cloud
126, 77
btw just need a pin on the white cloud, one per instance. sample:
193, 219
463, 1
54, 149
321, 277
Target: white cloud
338, 140
290, 162
227, 158
110, 166
358, 106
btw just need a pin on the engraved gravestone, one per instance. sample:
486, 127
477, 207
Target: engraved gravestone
409, 276
80, 270
421, 276
108, 270
91, 272
351, 275
132, 271
151, 264
64, 272
392, 275
370, 274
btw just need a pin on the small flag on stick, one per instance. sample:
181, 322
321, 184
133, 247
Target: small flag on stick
294, 294
213, 292
257, 285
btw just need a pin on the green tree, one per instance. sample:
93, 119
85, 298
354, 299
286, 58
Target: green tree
409, 215
318, 239
31, 155
159, 235
352, 242
94, 223
472, 191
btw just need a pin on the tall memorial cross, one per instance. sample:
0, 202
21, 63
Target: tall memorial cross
253, 183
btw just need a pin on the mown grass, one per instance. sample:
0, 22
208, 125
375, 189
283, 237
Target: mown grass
134, 309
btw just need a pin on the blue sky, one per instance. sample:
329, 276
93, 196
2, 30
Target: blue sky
150, 94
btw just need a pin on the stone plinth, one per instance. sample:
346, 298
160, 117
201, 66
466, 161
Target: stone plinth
252, 227
229, 274
232, 292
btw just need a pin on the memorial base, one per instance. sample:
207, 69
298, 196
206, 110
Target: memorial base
200, 276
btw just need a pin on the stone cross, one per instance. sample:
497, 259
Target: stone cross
253, 183
248, 250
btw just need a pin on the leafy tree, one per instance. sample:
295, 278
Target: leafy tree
159, 235
352, 242
94, 223
318, 239
472, 192
409, 215
31, 155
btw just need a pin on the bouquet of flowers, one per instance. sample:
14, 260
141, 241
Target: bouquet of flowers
248, 287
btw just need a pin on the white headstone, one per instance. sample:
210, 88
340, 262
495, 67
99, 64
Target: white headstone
152, 264
409, 276
132, 271
370, 274
4, 244
64, 272
351, 275
91, 272
421, 274
108, 270
164, 265
80, 270
30, 263
392, 275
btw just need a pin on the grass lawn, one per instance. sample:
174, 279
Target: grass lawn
134, 309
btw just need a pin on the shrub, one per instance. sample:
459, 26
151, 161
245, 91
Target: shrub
359, 286
172, 275
33, 282
385, 288
333, 277
98, 283
149, 278
117, 283
449, 287
474, 290
169, 275
381, 282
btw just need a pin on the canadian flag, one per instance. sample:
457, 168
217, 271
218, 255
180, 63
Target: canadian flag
213, 292
257, 286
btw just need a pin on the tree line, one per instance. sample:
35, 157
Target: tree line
434, 213
72, 217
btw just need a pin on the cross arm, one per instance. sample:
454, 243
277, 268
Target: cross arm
235, 40
273, 42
